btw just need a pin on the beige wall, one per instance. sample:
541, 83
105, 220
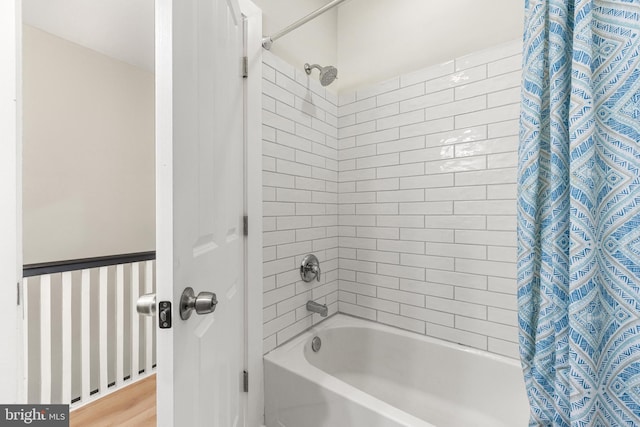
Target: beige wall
380, 39
88, 152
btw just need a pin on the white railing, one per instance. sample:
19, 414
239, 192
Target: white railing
84, 338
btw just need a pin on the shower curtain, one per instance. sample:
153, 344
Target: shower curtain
579, 212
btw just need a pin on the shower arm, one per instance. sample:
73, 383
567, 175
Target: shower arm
308, 68
267, 41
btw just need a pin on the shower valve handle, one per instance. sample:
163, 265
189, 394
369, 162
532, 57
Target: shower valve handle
310, 268
316, 270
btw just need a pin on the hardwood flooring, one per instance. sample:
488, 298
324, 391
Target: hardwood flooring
132, 406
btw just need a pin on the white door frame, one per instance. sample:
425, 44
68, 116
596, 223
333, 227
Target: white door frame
11, 367
253, 296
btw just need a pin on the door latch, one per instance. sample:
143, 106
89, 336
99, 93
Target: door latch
164, 314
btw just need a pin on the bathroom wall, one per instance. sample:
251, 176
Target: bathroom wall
427, 200
314, 42
300, 174
380, 39
89, 180
372, 40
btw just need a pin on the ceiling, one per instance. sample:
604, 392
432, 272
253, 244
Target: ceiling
121, 29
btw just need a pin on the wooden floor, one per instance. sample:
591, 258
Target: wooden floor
134, 405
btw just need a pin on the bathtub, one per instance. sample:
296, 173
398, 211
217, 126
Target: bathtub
370, 375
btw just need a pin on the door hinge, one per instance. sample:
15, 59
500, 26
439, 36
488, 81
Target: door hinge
245, 221
245, 381
245, 67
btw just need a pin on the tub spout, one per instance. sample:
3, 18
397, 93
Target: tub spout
315, 307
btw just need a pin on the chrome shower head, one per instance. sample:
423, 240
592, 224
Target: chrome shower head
327, 74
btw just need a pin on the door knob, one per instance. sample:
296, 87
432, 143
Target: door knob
146, 305
203, 303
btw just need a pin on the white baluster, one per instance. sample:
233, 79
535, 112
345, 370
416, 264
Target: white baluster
135, 321
148, 288
85, 333
66, 337
119, 324
103, 301
45, 339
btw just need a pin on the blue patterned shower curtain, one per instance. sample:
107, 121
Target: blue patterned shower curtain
579, 212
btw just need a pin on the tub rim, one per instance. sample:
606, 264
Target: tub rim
297, 363
342, 320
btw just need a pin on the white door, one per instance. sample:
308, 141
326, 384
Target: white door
200, 207
10, 209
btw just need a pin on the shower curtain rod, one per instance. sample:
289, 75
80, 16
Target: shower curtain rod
267, 42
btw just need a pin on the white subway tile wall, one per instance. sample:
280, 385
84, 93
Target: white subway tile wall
300, 193
427, 195
405, 190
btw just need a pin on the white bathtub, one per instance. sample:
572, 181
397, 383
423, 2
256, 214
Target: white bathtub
371, 375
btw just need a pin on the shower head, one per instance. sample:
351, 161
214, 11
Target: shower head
327, 74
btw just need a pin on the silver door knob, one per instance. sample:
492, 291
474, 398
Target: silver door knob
146, 305
203, 303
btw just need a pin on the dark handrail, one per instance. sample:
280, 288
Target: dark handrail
38, 269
